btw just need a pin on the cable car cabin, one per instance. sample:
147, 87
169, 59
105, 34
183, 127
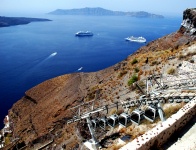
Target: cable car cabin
113, 120
177, 99
151, 113
137, 116
155, 101
124, 119
103, 123
95, 123
162, 100
170, 99
186, 99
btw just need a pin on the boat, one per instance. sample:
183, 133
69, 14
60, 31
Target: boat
83, 33
136, 39
53, 54
80, 68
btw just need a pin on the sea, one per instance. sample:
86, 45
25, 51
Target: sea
33, 53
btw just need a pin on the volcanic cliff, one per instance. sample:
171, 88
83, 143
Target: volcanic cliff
41, 114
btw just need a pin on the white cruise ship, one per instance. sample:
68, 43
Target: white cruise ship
136, 39
82, 33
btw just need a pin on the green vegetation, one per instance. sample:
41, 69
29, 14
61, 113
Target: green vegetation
136, 70
133, 79
134, 61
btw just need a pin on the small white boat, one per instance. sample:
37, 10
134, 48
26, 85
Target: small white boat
80, 68
82, 33
53, 54
136, 39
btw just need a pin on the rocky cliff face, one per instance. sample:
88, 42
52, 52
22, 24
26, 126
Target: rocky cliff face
41, 115
189, 22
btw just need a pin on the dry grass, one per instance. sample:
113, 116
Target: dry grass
113, 111
135, 130
115, 147
172, 109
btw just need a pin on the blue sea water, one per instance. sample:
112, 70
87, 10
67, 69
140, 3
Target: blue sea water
27, 52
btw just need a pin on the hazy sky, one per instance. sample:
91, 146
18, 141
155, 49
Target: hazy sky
173, 7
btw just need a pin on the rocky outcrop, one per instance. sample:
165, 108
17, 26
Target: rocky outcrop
185, 34
188, 25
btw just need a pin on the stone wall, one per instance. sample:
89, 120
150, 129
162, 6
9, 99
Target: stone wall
161, 133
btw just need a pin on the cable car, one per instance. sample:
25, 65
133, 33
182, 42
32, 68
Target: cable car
170, 99
162, 100
186, 99
95, 123
177, 99
124, 119
155, 101
132, 103
103, 123
126, 105
113, 120
149, 101
137, 116
151, 113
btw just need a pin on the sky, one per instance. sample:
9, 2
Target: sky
163, 7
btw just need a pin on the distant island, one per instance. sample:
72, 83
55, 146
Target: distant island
12, 21
103, 12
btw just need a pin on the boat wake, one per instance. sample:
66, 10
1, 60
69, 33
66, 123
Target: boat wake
50, 56
34, 63
38, 65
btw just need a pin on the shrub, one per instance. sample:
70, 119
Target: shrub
192, 61
180, 57
171, 71
91, 96
133, 79
122, 73
136, 70
134, 61
155, 63
191, 54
